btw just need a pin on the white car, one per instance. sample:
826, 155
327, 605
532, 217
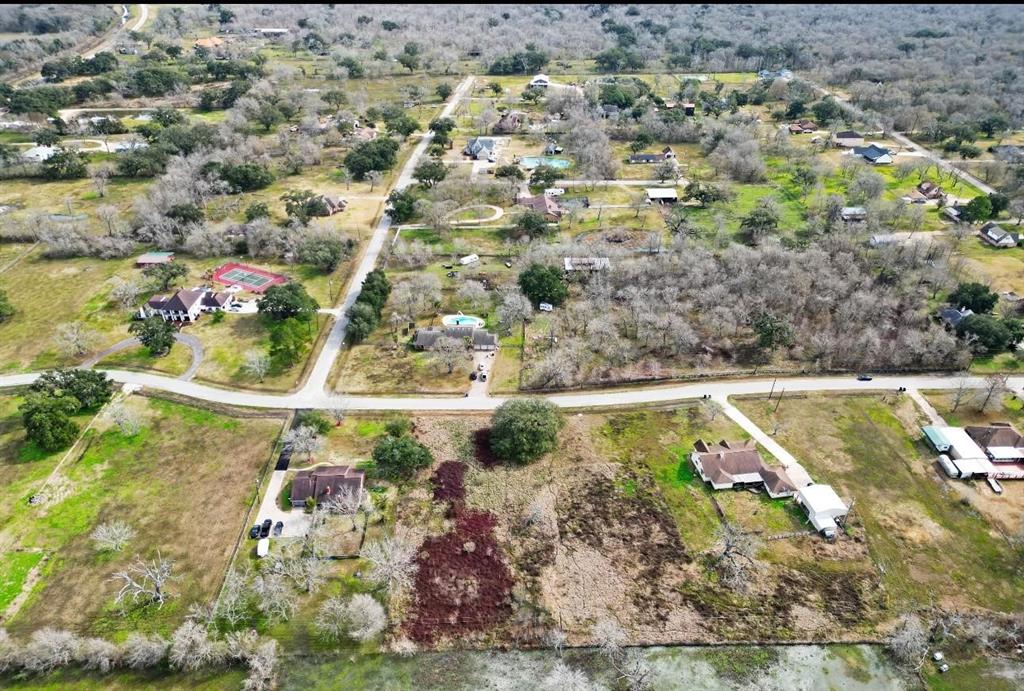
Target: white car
546, 307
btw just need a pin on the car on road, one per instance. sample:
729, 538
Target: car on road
863, 377
254, 532
278, 528
265, 528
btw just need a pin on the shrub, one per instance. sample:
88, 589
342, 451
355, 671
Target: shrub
398, 458
522, 430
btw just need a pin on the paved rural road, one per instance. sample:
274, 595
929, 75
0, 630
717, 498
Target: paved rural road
720, 390
193, 343
627, 183
336, 339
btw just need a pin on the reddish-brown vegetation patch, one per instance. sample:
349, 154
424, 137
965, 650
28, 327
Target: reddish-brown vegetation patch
463, 585
449, 482
482, 446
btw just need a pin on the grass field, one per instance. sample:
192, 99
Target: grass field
210, 459
928, 545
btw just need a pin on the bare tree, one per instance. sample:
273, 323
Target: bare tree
142, 652
234, 598
360, 618
374, 177
338, 413
961, 391
735, 556
262, 667
49, 649
126, 419
514, 309
565, 678
631, 666
909, 642
101, 179
74, 338
393, 561
304, 440
449, 352
126, 293
992, 391
256, 363
112, 536
146, 580
10, 653
474, 294
191, 648
274, 598
97, 654
712, 408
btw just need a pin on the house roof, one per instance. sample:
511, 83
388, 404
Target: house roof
542, 204
212, 299
646, 158
325, 481
426, 338
821, 499
586, 263
872, 152
849, 134
994, 231
182, 301
662, 193
953, 316
155, 258
996, 434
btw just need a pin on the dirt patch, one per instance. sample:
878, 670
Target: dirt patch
624, 238
463, 586
449, 482
482, 449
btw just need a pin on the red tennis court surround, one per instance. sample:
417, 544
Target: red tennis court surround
248, 277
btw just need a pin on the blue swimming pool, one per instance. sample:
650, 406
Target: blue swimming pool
462, 320
554, 162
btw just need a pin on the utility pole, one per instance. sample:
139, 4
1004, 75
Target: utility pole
773, 388
779, 402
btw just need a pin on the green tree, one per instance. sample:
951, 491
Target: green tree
165, 275
48, 422
409, 61
429, 173
398, 458
46, 136
304, 204
704, 193
772, 331
762, 220
378, 154
543, 284
992, 334
362, 320
6, 307
401, 206
288, 342
641, 142
268, 115
65, 164
509, 171
402, 125
256, 210
325, 253
523, 430
287, 301
90, 388
533, 224
544, 176
974, 296
443, 90
154, 333
315, 419
977, 210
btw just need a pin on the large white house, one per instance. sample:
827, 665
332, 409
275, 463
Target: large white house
824, 508
186, 305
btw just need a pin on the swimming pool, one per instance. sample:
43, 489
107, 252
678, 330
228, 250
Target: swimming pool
462, 320
554, 162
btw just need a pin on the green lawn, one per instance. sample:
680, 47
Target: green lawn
14, 569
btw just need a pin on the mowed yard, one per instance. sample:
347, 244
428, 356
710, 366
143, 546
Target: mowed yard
927, 544
184, 483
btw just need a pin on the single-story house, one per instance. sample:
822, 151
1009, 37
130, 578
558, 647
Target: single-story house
269, 32
541, 80
511, 121
952, 212
803, 126
210, 43
542, 204
662, 195
930, 190
587, 263
478, 339
335, 206
469, 259
666, 154
480, 148
775, 74
884, 239
727, 465
825, 510
873, 154
994, 235
552, 149
323, 482
951, 316
151, 258
852, 214
848, 139
187, 305
610, 111
38, 154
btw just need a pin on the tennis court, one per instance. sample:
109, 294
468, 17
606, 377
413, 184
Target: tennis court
247, 277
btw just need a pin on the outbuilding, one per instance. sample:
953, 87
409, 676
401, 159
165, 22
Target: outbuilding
662, 195
825, 510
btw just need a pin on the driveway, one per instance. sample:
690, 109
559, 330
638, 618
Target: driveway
296, 521
192, 342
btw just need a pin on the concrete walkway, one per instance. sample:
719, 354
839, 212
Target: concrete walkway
193, 343
927, 408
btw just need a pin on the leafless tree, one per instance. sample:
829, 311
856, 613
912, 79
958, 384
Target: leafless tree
234, 599
74, 338
735, 556
256, 363
112, 536
393, 561
128, 421
667, 170
631, 666
97, 654
449, 352
146, 580
514, 308
909, 642
961, 391
418, 294
273, 597
304, 440
565, 678
191, 648
101, 179
374, 177
992, 391
338, 412
10, 653
555, 639
126, 293
49, 649
712, 408
474, 294
360, 617
143, 652
263, 664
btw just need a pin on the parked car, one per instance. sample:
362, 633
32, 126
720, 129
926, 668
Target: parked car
265, 528
278, 528
472, 376
254, 532
863, 377
480, 367
483, 377
262, 547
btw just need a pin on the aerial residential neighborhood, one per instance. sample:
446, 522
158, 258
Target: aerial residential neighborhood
538, 346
